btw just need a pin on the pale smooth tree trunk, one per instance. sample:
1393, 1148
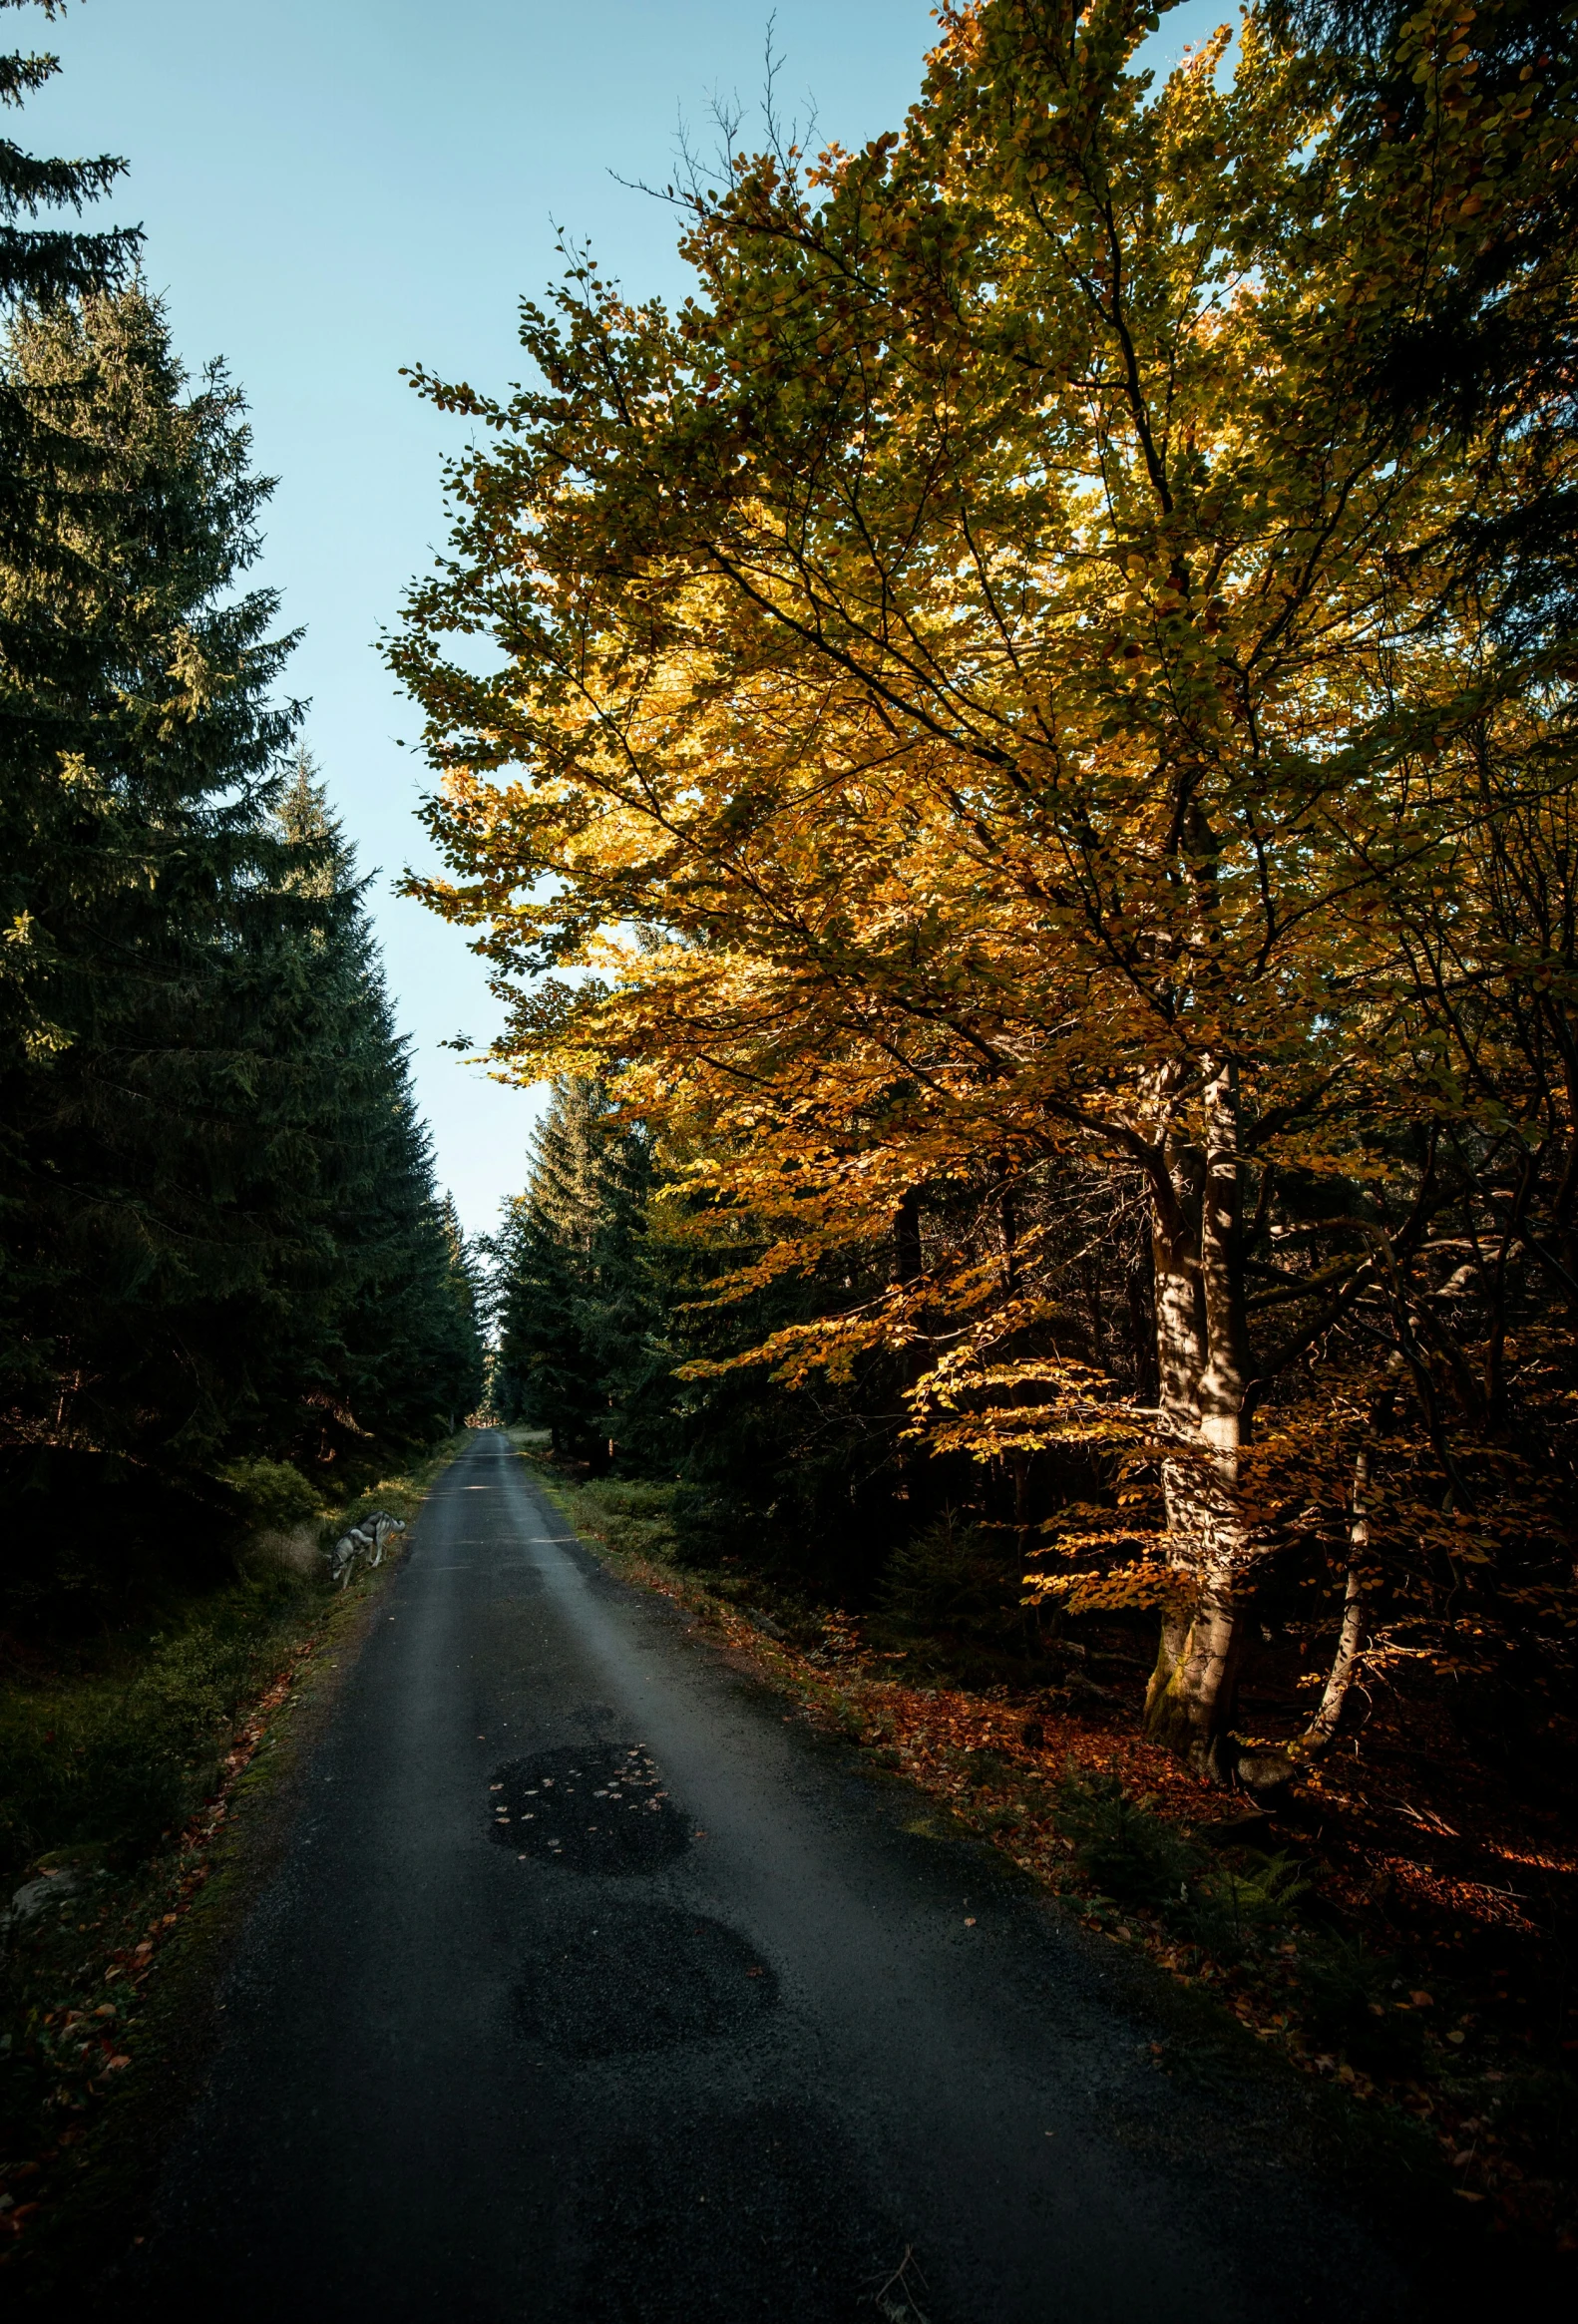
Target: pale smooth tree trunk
1322, 1730
1204, 1369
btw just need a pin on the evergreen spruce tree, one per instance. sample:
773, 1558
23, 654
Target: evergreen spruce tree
219, 1225
140, 997
386, 1348
40, 264
575, 1314
219, 1230
547, 1374
37, 263
602, 1301
54, 479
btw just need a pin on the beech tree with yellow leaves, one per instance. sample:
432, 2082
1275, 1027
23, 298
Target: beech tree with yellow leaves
1004, 687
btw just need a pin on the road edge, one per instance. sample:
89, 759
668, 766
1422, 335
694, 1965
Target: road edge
82, 2243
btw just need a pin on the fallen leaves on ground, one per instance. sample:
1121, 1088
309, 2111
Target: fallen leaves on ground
77, 2052
935, 1736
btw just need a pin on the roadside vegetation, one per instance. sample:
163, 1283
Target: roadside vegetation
128, 1756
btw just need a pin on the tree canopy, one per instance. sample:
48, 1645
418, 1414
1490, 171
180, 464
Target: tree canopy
1008, 689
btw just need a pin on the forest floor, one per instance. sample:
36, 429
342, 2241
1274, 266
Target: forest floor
1400, 1929
117, 1934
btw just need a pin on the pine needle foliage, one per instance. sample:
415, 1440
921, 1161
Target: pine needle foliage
220, 1242
41, 263
572, 1315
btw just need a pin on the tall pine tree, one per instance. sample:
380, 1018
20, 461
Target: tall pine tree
221, 1230
574, 1321
390, 1343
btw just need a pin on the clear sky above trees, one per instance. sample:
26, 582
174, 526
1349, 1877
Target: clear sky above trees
335, 187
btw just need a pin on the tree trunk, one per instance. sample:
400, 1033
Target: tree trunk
907, 1258
1203, 1366
1322, 1730
1190, 1701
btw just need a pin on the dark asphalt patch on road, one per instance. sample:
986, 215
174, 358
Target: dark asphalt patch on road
634, 1977
592, 1807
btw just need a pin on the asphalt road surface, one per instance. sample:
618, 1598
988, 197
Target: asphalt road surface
591, 1989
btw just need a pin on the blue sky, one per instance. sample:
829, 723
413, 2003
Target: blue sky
333, 188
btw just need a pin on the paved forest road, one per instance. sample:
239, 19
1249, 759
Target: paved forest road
591, 1990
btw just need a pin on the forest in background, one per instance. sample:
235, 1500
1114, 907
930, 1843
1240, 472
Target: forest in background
1019, 791
230, 1291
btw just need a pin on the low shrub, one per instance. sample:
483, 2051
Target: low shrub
272, 1495
635, 1518
959, 1578
1351, 2002
1130, 1854
1232, 1911
1139, 1858
116, 1755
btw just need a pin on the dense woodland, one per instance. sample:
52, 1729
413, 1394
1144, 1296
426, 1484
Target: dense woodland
1024, 795
1013, 764
227, 1283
